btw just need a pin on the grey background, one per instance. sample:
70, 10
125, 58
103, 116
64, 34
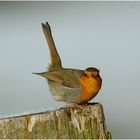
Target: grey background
105, 35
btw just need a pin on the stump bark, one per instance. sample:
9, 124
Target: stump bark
64, 123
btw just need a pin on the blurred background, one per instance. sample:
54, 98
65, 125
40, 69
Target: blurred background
105, 35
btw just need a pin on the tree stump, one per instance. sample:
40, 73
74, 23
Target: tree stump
64, 123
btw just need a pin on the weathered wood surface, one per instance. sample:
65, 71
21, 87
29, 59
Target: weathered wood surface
71, 123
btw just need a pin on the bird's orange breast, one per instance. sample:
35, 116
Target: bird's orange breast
90, 88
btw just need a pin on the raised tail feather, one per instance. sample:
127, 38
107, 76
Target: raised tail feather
55, 58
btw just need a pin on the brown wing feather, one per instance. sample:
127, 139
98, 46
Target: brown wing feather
68, 77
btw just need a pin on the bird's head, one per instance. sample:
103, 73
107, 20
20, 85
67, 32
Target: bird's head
91, 72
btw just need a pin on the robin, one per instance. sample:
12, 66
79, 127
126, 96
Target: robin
73, 86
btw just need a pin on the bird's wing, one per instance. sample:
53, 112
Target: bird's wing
67, 77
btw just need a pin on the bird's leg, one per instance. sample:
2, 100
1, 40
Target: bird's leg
72, 104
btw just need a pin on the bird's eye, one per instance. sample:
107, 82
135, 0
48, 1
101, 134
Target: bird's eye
95, 75
85, 74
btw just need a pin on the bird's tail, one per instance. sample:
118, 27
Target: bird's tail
55, 58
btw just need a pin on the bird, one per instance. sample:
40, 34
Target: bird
75, 87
